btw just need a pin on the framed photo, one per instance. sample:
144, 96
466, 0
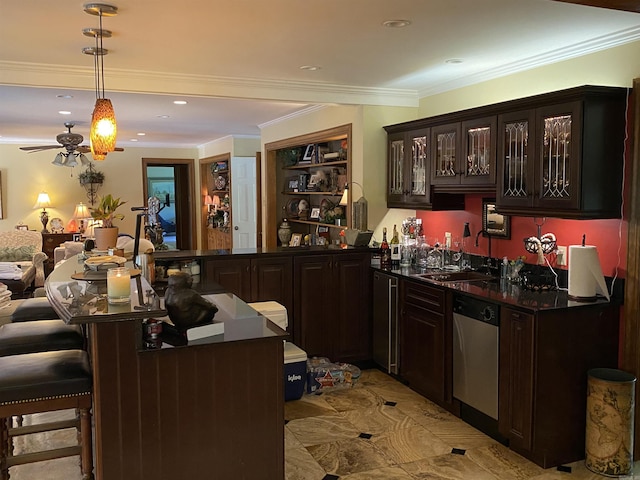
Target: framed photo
496, 224
296, 240
77, 237
292, 184
315, 213
22, 226
309, 153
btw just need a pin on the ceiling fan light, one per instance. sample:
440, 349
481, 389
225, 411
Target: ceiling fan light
71, 160
83, 159
103, 127
59, 160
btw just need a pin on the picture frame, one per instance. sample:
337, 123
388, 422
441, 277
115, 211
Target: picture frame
315, 213
22, 226
296, 240
496, 224
309, 153
77, 237
292, 184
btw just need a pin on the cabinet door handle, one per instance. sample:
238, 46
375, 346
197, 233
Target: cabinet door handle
255, 268
248, 269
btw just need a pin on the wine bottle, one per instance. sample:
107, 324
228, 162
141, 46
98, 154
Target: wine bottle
385, 251
395, 249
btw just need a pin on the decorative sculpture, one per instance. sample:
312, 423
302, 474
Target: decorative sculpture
186, 307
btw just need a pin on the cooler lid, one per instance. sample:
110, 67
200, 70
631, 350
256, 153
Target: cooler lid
293, 353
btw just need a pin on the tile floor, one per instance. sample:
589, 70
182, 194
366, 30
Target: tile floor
378, 430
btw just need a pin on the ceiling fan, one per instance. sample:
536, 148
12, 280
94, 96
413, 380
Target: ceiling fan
69, 140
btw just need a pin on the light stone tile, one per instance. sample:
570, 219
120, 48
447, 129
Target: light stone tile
324, 429
348, 456
504, 463
375, 377
290, 440
396, 393
300, 465
378, 420
356, 398
410, 444
447, 467
307, 406
580, 472
389, 473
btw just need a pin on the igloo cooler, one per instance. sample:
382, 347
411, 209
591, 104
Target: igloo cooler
295, 359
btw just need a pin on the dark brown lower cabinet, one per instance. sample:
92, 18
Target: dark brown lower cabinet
544, 360
332, 305
425, 356
258, 279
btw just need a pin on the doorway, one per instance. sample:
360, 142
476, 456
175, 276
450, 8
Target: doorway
172, 181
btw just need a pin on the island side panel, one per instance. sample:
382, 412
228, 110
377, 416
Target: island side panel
209, 411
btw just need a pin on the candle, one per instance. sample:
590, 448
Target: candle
118, 285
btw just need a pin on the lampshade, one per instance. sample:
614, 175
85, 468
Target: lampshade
103, 126
345, 197
59, 160
208, 200
81, 212
216, 200
43, 201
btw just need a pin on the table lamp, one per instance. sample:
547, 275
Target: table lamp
43, 202
82, 213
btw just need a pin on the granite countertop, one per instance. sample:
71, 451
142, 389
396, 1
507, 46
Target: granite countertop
500, 291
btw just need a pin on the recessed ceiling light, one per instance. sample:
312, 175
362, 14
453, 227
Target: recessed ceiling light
454, 61
64, 96
64, 112
134, 139
162, 116
396, 23
180, 102
310, 68
141, 134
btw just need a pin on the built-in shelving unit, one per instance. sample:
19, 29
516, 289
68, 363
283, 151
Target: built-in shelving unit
305, 180
215, 180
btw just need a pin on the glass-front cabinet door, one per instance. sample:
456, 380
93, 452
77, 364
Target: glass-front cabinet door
559, 153
396, 166
408, 168
446, 167
479, 151
516, 158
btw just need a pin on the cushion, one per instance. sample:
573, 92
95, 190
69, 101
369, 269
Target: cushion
71, 249
42, 336
15, 254
34, 309
44, 374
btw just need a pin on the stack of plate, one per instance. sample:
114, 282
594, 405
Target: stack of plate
104, 262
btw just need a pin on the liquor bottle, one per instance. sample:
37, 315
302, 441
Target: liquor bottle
385, 251
395, 249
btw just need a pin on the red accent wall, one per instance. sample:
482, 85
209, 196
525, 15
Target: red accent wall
609, 236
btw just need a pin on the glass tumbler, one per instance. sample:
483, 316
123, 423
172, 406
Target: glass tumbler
118, 285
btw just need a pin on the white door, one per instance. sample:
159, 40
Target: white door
243, 202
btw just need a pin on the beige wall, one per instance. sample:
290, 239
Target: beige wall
24, 175
616, 67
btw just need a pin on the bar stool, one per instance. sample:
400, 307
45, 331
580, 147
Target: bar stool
42, 382
30, 309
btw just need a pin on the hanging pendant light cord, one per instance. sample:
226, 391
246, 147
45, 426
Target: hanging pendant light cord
98, 60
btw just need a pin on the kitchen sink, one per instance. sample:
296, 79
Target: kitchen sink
450, 277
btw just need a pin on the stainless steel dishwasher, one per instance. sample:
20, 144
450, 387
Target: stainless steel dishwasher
475, 353
385, 321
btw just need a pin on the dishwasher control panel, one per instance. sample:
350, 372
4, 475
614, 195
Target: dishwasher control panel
477, 309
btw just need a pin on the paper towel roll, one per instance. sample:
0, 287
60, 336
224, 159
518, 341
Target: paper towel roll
585, 273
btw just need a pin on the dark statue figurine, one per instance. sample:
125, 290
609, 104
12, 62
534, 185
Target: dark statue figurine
186, 307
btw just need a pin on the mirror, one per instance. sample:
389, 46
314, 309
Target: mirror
496, 224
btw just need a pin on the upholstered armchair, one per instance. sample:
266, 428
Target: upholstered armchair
21, 260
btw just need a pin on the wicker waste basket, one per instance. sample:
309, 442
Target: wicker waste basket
610, 417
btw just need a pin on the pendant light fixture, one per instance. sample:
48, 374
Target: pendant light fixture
103, 120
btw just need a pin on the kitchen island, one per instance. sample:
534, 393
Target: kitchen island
211, 410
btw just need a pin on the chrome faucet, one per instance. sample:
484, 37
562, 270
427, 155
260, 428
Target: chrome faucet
489, 236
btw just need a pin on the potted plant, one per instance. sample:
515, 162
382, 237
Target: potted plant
91, 176
106, 235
